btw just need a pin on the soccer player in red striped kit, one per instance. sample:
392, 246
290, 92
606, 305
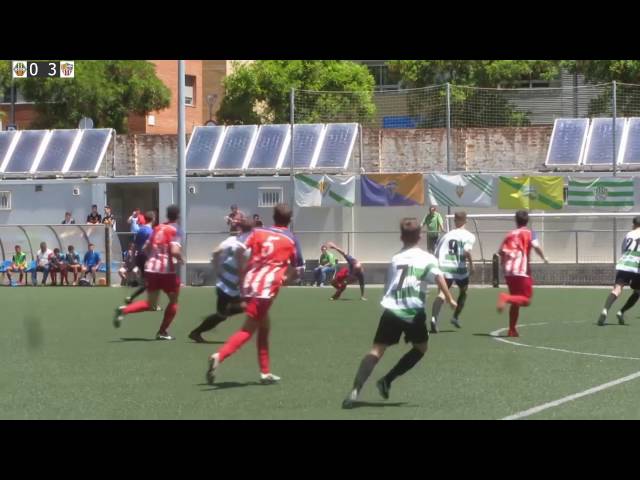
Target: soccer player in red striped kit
164, 254
515, 255
275, 251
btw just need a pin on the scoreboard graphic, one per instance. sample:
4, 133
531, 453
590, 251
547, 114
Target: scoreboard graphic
27, 69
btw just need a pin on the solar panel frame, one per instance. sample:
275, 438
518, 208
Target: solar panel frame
26, 147
316, 128
595, 122
215, 150
630, 142
279, 153
102, 150
52, 147
243, 150
583, 142
350, 144
8, 140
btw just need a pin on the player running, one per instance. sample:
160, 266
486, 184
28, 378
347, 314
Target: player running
164, 254
274, 253
627, 273
454, 252
228, 285
404, 303
346, 275
144, 232
515, 255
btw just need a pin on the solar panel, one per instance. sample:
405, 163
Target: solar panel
307, 140
25, 151
6, 138
599, 149
236, 148
202, 147
271, 146
337, 146
567, 141
630, 152
56, 152
91, 150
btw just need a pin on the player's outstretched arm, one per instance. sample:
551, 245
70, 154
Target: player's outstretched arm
337, 249
539, 251
442, 284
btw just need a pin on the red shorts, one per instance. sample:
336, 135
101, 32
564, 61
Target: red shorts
258, 308
520, 285
167, 282
342, 275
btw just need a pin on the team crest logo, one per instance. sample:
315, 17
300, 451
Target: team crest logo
19, 69
66, 69
391, 187
600, 193
323, 186
459, 191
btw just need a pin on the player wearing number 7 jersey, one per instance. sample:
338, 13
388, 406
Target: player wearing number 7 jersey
275, 256
627, 273
404, 303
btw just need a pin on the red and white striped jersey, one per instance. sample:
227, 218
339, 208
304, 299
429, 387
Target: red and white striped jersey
273, 249
159, 249
516, 252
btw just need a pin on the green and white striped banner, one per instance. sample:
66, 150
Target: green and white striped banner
603, 192
461, 190
324, 191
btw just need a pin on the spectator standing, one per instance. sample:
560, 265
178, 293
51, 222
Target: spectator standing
134, 222
109, 218
72, 262
68, 219
18, 264
234, 218
435, 225
257, 221
327, 266
94, 217
91, 263
42, 264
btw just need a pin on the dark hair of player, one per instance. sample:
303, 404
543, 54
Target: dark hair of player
522, 218
460, 217
173, 212
410, 230
636, 221
149, 216
282, 215
91, 245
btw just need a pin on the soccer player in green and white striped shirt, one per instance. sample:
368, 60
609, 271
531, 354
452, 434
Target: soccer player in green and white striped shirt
627, 273
404, 303
454, 252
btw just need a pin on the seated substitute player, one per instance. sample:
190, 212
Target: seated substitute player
275, 255
404, 310
128, 269
225, 264
18, 264
72, 261
164, 253
346, 275
515, 253
57, 264
627, 273
453, 252
91, 263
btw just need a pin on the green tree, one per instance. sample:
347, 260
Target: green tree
259, 92
107, 91
474, 100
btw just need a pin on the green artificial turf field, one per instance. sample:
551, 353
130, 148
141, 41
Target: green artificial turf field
62, 359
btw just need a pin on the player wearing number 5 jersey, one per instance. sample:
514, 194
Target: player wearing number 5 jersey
627, 273
453, 252
404, 303
275, 256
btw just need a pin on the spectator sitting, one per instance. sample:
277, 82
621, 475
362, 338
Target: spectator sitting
91, 263
234, 218
72, 262
257, 221
128, 270
94, 217
18, 264
68, 219
109, 218
42, 264
57, 263
327, 266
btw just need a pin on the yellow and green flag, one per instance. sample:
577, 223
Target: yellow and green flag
530, 193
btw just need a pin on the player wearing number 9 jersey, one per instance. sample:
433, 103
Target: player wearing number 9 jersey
627, 273
453, 252
404, 303
275, 255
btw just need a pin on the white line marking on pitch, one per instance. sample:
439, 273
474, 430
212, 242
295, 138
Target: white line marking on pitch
568, 398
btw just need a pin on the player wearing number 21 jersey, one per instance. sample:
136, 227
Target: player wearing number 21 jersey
275, 255
404, 301
627, 273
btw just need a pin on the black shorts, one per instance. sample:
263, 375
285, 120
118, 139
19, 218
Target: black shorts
464, 283
224, 301
391, 328
628, 278
141, 259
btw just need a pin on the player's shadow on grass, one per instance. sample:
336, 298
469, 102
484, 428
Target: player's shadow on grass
487, 335
133, 339
225, 385
359, 404
206, 342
